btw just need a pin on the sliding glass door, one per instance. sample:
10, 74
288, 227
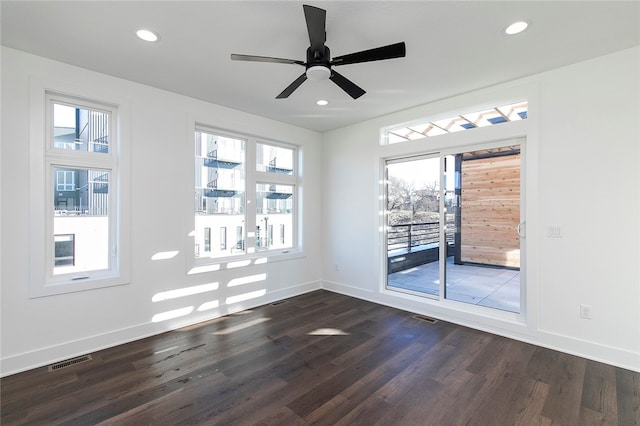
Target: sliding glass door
414, 225
453, 222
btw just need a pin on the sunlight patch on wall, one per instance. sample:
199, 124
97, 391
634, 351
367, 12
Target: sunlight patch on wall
238, 264
186, 291
176, 313
245, 296
208, 305
203, 269
164, 255
247, 280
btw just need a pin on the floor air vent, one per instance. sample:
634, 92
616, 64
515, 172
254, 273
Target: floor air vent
279, 302
425, 319
69, 362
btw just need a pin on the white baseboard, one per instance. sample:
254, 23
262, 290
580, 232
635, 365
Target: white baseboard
70, 349
590, 350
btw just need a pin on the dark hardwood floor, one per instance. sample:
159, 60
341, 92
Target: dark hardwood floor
323, 358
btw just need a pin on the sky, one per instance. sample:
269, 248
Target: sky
419, 172
64, 116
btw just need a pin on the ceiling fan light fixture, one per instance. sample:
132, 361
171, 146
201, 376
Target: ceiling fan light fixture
318, 72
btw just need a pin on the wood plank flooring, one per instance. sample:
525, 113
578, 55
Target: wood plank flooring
328, 359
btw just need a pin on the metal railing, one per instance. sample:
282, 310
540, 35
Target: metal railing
410, 237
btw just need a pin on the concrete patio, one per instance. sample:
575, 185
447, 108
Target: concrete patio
488, 286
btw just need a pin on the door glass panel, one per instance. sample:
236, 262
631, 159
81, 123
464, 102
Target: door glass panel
482, 201
413, 224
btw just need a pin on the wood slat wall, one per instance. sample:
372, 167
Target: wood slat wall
491, 211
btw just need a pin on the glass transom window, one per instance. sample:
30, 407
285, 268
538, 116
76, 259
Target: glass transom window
468, 121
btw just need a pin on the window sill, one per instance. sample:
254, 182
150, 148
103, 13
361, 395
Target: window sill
72, 286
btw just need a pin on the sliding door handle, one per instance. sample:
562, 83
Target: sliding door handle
521, 230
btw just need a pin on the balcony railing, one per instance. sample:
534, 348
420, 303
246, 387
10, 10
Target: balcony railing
410, 237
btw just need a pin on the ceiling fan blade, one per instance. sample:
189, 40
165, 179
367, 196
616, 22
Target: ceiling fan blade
253, 58
316, 19
293, 86
347, 85
397, 50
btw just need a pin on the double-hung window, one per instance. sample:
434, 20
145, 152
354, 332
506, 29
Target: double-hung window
245, 184
79, 188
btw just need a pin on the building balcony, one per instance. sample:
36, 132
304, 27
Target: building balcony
212, 160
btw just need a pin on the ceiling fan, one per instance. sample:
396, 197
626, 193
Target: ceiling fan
319, 63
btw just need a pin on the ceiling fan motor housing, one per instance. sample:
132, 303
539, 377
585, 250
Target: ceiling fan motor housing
318, 57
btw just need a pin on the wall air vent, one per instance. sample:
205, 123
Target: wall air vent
69, 362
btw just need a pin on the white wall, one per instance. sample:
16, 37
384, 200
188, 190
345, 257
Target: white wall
581, 168
42, 330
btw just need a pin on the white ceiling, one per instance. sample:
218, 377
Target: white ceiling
452, 47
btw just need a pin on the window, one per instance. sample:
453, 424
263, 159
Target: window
223, 238
64, 251
81, 201
207, 239
64, 180
274, 159
274, 207
239, 238
219, 188
225, 185
489, 117
76, 209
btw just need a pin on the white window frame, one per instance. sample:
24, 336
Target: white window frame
252, 178
45, 157
271, 178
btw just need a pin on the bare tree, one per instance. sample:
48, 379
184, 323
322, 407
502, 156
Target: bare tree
426, 198
408, 204
398, 194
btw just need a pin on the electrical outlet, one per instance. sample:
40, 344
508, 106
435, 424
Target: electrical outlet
554, 231
585, 311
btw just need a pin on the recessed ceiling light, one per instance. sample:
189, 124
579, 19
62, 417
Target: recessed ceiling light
516, 27
322, 102
147, 35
